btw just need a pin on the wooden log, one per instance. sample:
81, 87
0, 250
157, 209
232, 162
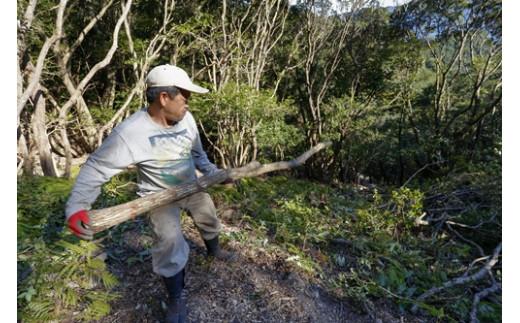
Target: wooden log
103, 219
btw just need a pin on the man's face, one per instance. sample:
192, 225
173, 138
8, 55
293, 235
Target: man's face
176, 107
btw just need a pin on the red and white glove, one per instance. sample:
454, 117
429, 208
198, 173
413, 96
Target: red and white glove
79, 225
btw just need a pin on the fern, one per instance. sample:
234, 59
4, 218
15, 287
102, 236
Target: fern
39, 311
64, 277
98, 305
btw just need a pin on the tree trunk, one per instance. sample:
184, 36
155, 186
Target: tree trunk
24, 155
103, 219
40, 136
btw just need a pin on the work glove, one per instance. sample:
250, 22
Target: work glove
79, 225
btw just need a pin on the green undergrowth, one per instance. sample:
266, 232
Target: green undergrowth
361, 245
57, 273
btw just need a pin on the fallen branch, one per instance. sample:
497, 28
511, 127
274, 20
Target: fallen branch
463, 279
473, 263
106, 218
479, 248
476, 226
480, 295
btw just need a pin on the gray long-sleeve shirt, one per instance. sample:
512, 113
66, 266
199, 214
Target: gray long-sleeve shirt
164, 157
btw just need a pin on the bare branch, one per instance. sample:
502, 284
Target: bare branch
29, 14
462, 279
81, 86
103, 63
86, 30
24, 26
35, 76
480, 295
479, 248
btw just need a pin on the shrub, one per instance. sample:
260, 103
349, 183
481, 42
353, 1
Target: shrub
242, 124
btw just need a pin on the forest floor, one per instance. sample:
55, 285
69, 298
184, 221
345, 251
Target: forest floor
259, 286
306, 252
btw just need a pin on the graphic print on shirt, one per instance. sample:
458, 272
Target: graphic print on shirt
172, 151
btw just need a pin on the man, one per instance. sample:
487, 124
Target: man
162, 140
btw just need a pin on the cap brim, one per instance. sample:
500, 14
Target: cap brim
193, 88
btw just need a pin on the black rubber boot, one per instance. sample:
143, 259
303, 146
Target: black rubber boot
215, 251
177, 310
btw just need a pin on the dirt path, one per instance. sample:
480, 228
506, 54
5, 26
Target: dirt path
257, 287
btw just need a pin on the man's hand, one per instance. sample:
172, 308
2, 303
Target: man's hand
79, 225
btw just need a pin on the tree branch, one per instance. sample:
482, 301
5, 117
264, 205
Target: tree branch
35, 79
462, 279
81, 86
480, 295
106, 218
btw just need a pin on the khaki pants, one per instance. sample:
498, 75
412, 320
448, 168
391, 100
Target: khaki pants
170, 252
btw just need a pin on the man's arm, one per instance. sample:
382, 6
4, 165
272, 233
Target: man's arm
112, 157
200, 157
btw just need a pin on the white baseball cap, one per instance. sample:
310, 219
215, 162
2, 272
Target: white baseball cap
170, 75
